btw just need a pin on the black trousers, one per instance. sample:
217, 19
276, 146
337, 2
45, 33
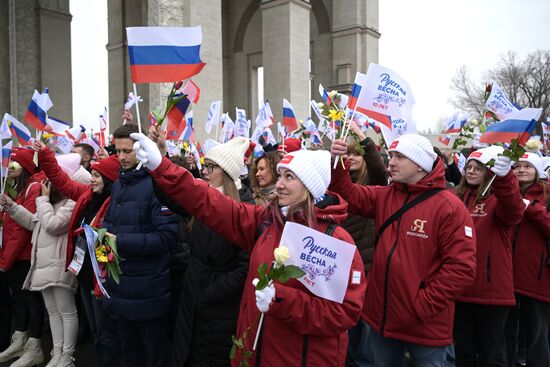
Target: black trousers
479, 335
534, 317
5, 311
29, 307
145, 343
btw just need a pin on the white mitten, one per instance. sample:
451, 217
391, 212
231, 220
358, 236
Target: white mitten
476, 144
502, 166
264, 297
146, 151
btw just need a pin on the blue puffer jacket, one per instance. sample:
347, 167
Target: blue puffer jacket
144, 230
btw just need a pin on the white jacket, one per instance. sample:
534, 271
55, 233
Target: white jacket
49, 243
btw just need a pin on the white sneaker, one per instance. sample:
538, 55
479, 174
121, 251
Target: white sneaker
16, 348
67, 360
56, 357
32, 356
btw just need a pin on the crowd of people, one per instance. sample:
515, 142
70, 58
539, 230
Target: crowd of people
449, 267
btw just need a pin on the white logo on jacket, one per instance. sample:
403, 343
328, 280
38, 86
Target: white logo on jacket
417, 229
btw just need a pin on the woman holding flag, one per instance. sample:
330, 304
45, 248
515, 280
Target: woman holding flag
299, 327
482, 310
532, 263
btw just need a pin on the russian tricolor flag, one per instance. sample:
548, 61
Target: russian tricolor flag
518, 125
324, 95
18, 130
36, 114
6, 151
164, 54
175, 118
188, 131
57, 127
289, 117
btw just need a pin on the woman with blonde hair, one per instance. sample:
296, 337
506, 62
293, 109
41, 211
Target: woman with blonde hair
299, 327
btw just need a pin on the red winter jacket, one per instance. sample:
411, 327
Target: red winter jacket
422, 262
495, 219
76, 191
16, 241
299, 328
531, 270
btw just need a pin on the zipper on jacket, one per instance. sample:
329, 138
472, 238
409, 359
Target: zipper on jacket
305, 342
488, 267
541, 263
516, 234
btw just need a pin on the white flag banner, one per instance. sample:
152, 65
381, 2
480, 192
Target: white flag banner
213, 118
242, 127
132, 100
399, 127
228, 128
461, 163
316, 110
325, 260
498, 103
383, 95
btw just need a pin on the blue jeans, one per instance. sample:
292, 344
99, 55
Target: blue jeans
391, 352
106, 339
358, 348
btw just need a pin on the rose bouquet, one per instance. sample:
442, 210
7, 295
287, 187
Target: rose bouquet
279, 272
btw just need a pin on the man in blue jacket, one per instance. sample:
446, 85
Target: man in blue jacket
144, 229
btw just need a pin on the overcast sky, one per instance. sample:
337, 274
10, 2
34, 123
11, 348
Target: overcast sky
423, 41
426, 41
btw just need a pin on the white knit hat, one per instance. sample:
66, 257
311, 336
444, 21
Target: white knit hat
534, 160
230, 157
486, 154
81, 175
69, 162
312, 168
417, 148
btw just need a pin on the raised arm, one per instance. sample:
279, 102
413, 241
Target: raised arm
72, 189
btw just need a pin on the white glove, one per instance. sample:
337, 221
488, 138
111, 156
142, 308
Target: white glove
264, 296
476, 144
502, 166
146, 151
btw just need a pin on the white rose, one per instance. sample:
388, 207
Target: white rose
14, 165
332, 93
534, 144
475, 122
281, 255
321, 105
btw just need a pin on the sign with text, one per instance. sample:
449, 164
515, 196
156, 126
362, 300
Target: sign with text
325, 260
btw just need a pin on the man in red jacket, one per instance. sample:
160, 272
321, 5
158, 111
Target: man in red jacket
423, 260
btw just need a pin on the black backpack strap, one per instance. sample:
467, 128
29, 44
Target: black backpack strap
331, 228
417, 200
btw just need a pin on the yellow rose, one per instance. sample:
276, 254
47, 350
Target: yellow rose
281, 255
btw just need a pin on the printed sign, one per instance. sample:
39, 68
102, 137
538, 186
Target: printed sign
325, 260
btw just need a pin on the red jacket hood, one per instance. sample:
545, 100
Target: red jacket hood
332, 207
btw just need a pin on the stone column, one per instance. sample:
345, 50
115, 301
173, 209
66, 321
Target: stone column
355, 40
286, 54
5, 105
54, 32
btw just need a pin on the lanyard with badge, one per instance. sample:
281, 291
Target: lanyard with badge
79, 251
